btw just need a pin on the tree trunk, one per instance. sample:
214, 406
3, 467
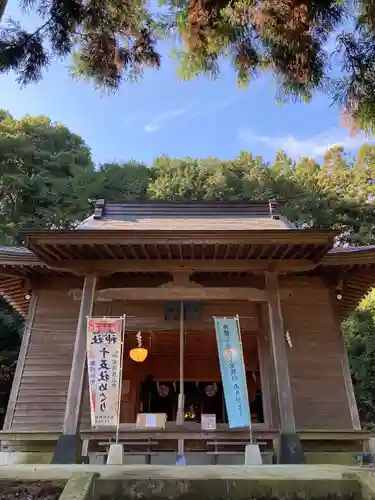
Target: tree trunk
3, 4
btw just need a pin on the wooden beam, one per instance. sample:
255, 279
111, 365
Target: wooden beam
366, 256
139, 281
352, 402
354, 415
21, 362
77, 373
180, 293
8, 273
123, 237
57, 283
110, 266
20, 260
280, 358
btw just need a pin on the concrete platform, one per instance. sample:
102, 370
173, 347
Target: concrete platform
188, 473
103, 482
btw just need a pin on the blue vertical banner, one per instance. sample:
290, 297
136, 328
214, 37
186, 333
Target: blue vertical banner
232, 369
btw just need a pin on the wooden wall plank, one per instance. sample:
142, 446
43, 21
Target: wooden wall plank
21, 362
315, 359
45, 378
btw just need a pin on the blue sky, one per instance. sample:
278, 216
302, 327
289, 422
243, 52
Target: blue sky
161, 115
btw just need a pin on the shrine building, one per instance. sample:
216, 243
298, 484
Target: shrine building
170, 268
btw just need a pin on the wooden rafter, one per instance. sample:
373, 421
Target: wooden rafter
349, 258
147, 265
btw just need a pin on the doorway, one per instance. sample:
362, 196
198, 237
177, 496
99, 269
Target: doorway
200, 398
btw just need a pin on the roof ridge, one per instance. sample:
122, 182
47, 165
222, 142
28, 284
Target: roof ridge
265, 201
170, 209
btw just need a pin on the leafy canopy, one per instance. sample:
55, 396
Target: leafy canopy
47, 177
359, 332
113, 40
38, 160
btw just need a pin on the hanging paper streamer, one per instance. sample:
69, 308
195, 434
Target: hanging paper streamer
232, 372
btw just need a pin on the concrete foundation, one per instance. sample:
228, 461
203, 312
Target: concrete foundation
276, 482
79, 487
190, 473
331, 458
45, 457
291, 451
90, 482
68, 450
252, 455
241, 489
115, 454
24, 457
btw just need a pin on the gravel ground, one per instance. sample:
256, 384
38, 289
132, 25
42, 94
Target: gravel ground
12, 490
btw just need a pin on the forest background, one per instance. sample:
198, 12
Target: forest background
47, 176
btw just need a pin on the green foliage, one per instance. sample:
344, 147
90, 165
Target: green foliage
10, 328
359, 334
111, 41
121, 181
10, 325
38, 159
337, 195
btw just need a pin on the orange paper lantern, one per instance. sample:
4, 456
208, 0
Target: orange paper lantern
138, 354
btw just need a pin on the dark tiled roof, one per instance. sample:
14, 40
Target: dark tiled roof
15, 250
352, 249
216, 216
17, 253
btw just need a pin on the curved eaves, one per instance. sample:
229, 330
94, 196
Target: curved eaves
12, 289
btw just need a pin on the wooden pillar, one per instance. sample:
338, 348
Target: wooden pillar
269, 403
290, 446
68, 447
21, 362
352, 403
181, 396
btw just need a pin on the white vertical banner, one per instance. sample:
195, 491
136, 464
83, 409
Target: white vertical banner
104, 363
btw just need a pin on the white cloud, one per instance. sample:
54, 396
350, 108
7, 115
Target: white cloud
313, 146
193, 110
151, 128
158, 120
216, 106
129, 120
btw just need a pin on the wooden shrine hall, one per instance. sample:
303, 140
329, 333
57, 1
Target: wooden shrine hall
171, 267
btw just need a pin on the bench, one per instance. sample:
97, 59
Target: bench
216, 452
106, 444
